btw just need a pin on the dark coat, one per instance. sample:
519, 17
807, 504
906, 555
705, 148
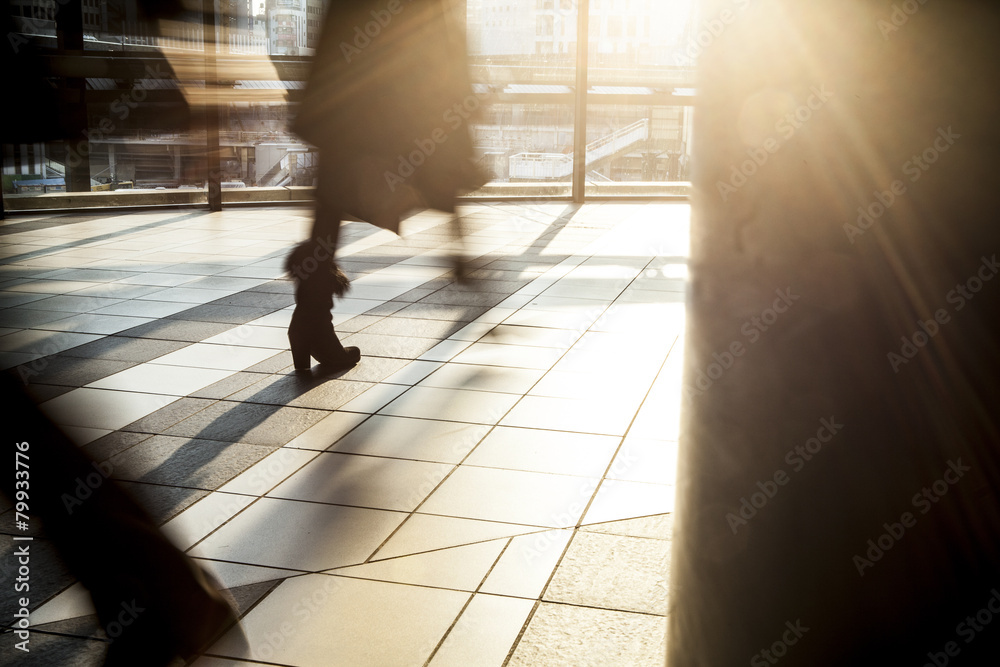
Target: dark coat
388, 102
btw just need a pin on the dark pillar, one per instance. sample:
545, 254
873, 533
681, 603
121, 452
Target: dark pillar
839, 463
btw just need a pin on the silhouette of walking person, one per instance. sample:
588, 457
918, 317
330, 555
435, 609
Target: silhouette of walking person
387, 103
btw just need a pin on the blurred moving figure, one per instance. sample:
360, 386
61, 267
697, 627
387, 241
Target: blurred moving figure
388, 103
153, 601
155, 604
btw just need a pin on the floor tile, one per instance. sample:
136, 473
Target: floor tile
428, 532
193, 524
33, 341
561, 414
221, 357
229, 421
625, 383
99, 408
512, 496
460, 568
483, 378
477, 407
301, 535
270, 471
344, 622
120, 348
511, 356
135, 308
248, 335
585, 637
189, 462
373, 399
613, 572
89, 323
414, 439
363, 481
71, 304
484, 633
413, 372
160, 379
554, 452
527, 564
445, 350
660, 526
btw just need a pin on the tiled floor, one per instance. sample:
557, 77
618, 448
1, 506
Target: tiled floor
491, 485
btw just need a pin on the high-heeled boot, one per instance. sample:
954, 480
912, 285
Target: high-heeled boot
311, 333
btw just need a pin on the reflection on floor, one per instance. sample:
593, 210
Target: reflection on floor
491, 485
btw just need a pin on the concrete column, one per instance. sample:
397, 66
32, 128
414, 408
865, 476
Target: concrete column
837, 498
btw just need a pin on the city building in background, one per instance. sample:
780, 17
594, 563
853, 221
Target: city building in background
523, 61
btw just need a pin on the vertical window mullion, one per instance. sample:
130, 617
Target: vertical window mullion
580, 100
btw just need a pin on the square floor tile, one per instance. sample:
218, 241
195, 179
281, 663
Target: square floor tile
32, 341
529, 498
134, 308
221, 357
363, 481
255, 424
270, 471
248, 335
561, 414
415, 439
461, 568
413, 372
300, 535
187, 462
516, 356
100, 408
326, 621
374, 398
483, 378
484, 633
613, 572
563, 634
89, 323
527, 564
477, 407
554, 452
159, 379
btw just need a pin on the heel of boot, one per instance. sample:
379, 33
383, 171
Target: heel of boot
298, 341
300, 357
